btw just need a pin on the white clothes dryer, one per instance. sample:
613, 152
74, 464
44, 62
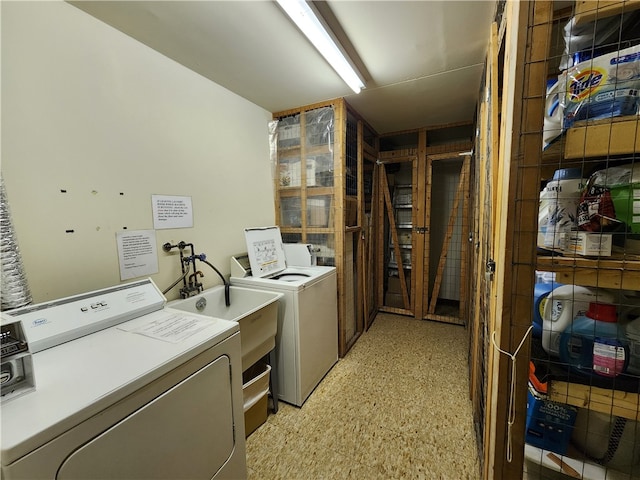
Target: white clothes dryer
307, 338
156, 396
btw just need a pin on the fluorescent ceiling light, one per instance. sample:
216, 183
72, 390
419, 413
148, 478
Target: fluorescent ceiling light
307, 21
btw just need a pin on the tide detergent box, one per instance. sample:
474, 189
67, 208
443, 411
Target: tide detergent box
602, 87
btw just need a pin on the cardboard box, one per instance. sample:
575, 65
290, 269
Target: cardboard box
255, 390
587, 244
255, 416
351, 212
394, 285
405, 237
393, 300
318, 212
632, 246
549, 425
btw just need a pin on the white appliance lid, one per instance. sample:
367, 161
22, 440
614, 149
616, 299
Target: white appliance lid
298, 254
266, 253
81, 378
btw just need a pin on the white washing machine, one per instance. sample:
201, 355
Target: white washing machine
155, 393
307, 338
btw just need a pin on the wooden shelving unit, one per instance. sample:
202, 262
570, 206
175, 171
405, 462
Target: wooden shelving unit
319, 197
602, 138
603, 272
603, 400
589, 10
584, 145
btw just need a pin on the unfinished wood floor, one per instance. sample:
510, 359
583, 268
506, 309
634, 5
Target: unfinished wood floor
396, 407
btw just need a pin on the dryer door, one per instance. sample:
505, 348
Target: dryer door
187, 432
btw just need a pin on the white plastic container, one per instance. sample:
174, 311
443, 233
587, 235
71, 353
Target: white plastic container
558, 206
563, 305
554, 110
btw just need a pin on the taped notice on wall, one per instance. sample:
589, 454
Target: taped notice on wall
170, 211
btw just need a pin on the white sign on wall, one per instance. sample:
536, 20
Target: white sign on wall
171, 211
137, 253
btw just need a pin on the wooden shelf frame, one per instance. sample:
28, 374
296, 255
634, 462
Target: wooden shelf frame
603, 272
602, 400
589, 10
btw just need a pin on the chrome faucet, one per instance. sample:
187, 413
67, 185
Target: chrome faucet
186, 262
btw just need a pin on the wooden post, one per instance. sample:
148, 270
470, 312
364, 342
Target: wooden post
524, 83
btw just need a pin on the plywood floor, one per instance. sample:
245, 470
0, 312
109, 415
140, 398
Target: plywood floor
396, 407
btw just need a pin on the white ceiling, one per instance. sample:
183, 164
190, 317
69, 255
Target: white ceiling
422, 61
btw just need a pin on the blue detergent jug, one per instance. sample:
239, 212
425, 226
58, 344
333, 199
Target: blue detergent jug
595, 343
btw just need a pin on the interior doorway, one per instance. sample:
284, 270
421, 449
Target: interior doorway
447, 208
423, 235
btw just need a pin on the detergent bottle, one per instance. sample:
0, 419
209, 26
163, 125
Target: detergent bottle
595, 343
554, 109
558, 207
563, 304
541, 292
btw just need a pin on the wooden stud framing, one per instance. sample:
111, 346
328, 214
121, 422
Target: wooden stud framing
379, 222
371, 246
362, 301
337, 227
420, 242
603, 400
488, 165
516, 226
396, 245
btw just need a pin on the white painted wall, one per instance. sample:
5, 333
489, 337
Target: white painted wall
89, 110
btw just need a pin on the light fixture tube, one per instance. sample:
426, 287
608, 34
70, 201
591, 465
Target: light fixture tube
306, 20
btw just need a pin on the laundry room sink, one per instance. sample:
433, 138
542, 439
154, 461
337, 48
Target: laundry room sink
256, 311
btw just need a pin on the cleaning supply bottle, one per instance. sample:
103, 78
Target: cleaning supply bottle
554, 109
541, 293
563, 304
595, 343
558, 206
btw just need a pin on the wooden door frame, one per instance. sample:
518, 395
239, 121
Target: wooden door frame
486, 158
525, 73
462, 197
382, 213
